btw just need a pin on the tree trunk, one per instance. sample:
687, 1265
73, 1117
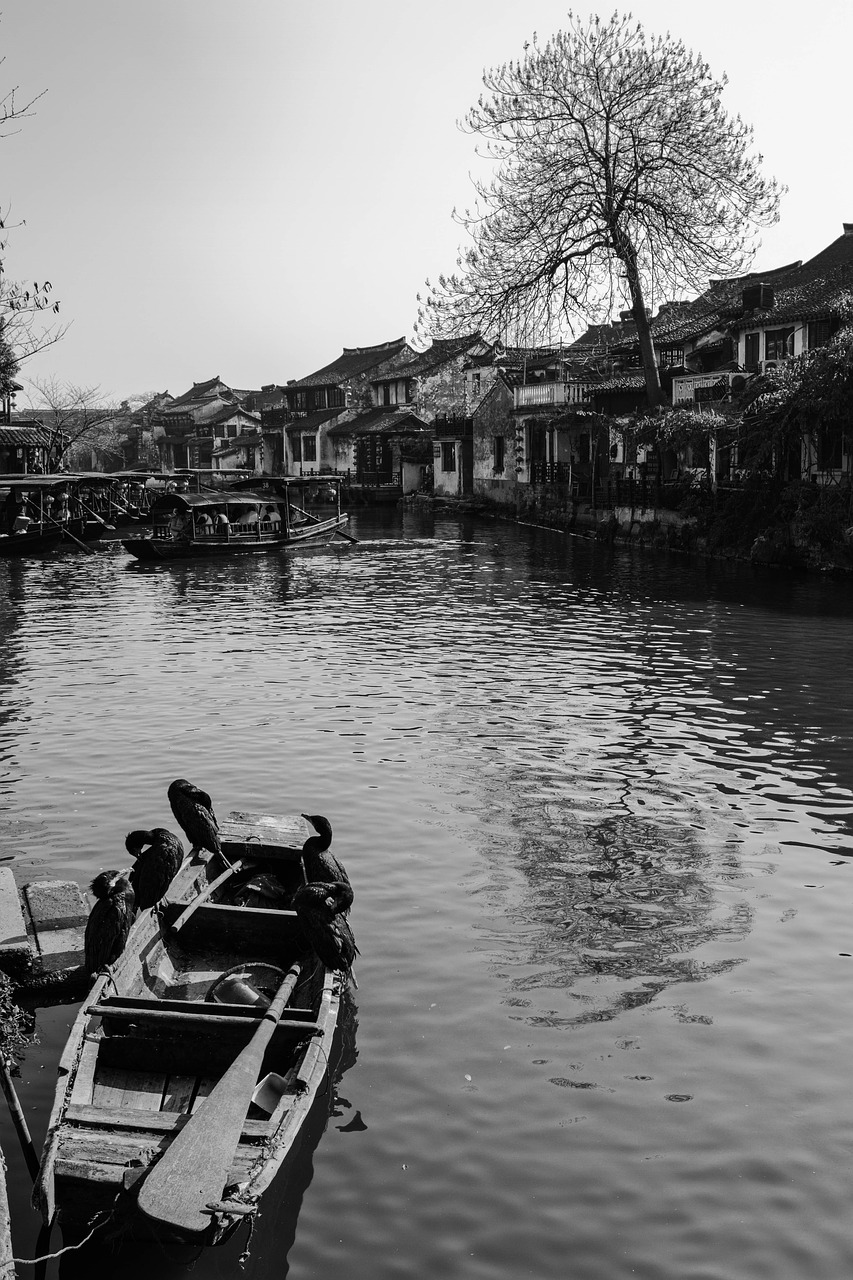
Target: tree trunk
625, 251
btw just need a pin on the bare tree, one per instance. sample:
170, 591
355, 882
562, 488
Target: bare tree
617, 177
25, 308
83, 428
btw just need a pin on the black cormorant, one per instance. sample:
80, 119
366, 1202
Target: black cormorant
193, 810
319, 864
158, 856
109, 920
325, 929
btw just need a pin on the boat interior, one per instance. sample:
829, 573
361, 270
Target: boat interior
160, 1033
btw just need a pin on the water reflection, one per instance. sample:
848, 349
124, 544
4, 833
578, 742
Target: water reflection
597, 808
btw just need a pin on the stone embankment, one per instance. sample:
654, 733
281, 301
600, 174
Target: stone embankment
798, 529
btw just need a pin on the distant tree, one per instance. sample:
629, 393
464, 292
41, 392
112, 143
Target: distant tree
617, 177
83, 428
25, 308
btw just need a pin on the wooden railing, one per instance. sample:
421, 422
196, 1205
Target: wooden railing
543, 394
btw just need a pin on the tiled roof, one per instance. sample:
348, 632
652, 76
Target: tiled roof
442, 350
199, 391
352, 362
821, 287
30, 434
237, 443
313, 420
619, 382
381, 421
226, 413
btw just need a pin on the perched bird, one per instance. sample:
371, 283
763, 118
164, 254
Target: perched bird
338, 895
158, 856
193, 810
109, 920
325, 929
319, 864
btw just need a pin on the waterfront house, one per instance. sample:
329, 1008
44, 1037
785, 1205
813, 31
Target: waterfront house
175, 425
318, 401
442, 385
384, 448
24, 442
495, 443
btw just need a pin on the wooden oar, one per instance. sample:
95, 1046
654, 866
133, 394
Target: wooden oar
211, 888
66, 533
192, 1172
95, 516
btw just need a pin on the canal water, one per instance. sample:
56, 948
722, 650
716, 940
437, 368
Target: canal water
596, 808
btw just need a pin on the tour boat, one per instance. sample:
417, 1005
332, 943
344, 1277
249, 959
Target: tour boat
195, 1060
234, 522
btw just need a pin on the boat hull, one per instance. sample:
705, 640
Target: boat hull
149, 1044
152, 550
15, 545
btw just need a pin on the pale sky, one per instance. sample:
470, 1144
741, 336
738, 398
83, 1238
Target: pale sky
245, 187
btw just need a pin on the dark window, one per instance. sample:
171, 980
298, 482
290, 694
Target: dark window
670, 356
386, 393
778, 344
751, 356
231, 430
498, 465
820, 331
829, 450
475, 387
448, 455
309, 448
335, 397
409, 391
318, 399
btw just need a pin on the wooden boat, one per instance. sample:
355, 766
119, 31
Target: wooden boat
30, 522
232, 522
148, 1070
32, 541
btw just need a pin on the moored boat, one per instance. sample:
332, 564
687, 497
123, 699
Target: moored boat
216, 1014
233, 522
31, 520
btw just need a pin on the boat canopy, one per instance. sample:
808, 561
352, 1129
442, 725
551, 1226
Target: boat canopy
34, 481
288, 482
226, 498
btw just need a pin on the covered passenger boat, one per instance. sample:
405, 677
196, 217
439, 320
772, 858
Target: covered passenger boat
33, 514
217, 1019
233, 522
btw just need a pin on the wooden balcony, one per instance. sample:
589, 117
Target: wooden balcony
545, 395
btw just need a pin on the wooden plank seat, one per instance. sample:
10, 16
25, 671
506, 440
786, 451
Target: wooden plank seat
150, 1120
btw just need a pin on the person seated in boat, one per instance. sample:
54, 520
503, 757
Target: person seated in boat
178, 526
272, 516
221, 523
203, 524
11, 510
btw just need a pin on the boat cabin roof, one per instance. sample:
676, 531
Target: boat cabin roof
225, 498
36, 482
296, 482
